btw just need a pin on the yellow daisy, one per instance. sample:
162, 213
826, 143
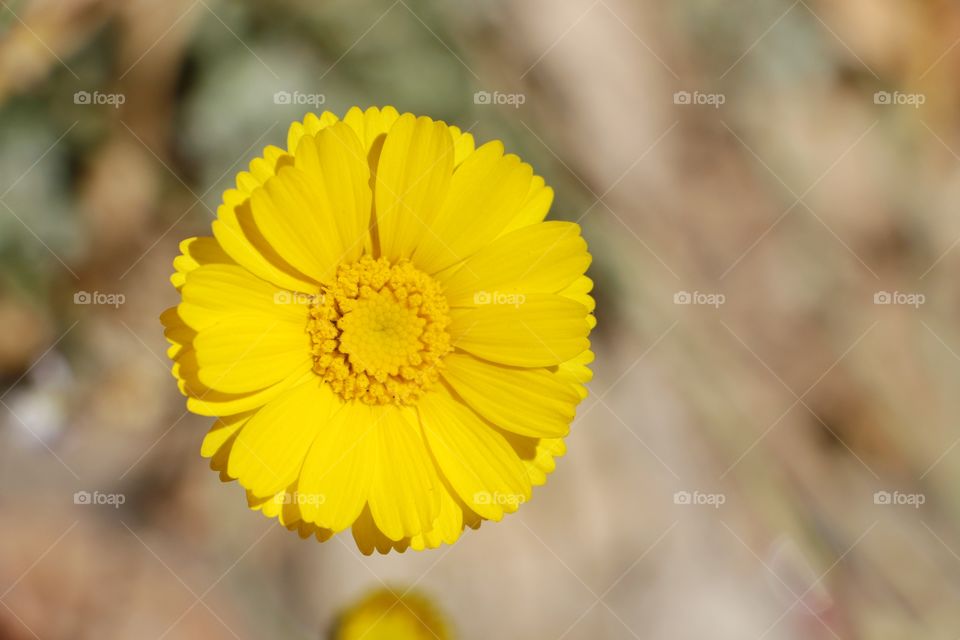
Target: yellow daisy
384, 615
390, 336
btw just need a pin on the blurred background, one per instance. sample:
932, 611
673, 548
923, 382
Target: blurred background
769, 189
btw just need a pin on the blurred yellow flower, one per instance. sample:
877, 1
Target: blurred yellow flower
392, 338
382, 615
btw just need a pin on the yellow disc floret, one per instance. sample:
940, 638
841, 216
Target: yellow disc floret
379, 333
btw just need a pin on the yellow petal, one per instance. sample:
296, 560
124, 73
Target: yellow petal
195, 252
538, 331
405, 490
243, 353
236, 232
222, 432
238, 236
530, 402
476, 460
282, 505
534, 208
311, 124
544, 462
487, 190
337, 470
334, 164
540, 258
261, 169
537, 454
289, 211
267, 455
219, 440
577, 371
412, 179
446, 528
288, 514
370, 538
216, 291
371, 126
579, 290
207, 402
177, 333
463, 145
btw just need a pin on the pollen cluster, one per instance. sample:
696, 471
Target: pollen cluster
379, 333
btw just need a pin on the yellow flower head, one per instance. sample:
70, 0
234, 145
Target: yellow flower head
391, 337
384, 615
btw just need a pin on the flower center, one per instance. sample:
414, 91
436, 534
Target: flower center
379, 334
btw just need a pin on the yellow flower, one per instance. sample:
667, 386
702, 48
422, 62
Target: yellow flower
391, 337
383, 615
